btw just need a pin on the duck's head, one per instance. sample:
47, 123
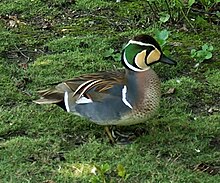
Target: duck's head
142, 51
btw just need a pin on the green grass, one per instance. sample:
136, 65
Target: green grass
56, 40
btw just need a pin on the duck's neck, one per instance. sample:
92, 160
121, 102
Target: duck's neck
136, 77
140, 84
135, 82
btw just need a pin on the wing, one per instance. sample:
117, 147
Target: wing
85, 85
95, 96
93, 85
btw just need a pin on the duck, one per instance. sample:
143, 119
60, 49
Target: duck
115, 98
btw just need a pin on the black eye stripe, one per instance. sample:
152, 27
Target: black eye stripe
149, 50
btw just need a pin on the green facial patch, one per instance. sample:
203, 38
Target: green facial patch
133, 49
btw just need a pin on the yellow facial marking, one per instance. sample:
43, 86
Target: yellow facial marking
140, 60
153, 56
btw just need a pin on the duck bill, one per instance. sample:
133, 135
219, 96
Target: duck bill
167, 60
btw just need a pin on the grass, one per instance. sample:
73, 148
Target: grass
56, 40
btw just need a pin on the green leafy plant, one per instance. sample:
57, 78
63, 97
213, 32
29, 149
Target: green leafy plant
166, 10
122, 172
204, 54
191, 2
208, 4
161, 37
177, 11
164, 17
100, 177
111, 53
103, 170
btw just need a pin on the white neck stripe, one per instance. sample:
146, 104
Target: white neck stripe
131, 66
66, 101
124, 99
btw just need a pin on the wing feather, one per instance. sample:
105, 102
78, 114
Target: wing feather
92, 86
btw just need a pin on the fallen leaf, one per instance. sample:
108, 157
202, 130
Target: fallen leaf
46, 24
213, 109
23, 65
184, 28
12, 23
170, 91
48, 181
176, 44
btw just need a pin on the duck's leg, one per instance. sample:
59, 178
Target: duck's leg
118, 137
128, 136
109, 134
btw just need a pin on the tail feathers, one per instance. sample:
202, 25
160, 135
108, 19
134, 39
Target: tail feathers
46, 101
50, 96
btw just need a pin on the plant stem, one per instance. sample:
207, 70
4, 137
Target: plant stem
152, 9
169, 10
188, 20
155, 5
